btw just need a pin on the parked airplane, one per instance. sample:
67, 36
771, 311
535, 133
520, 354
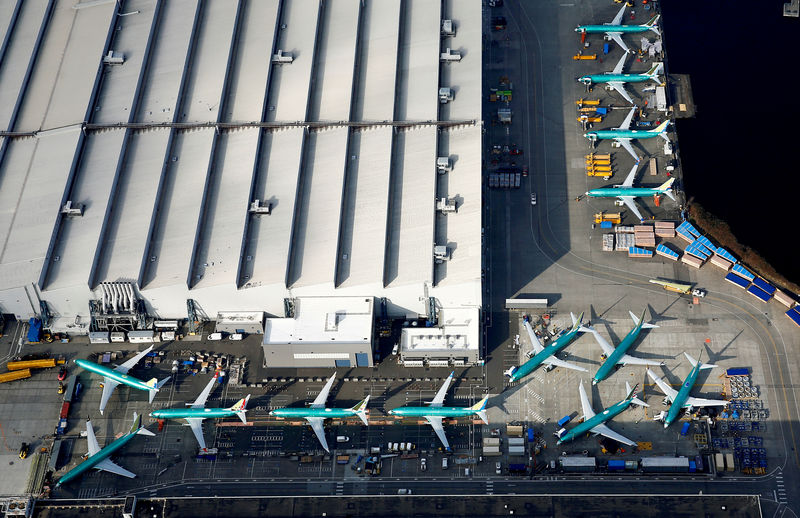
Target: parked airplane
435, 412
616, 79
595, 423
616, 356
623, 135
615, 29
547, 355
681, 399
317, 413
197, 411
113, 377
99, 458
626, 192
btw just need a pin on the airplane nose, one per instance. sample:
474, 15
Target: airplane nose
666, 425
594, 382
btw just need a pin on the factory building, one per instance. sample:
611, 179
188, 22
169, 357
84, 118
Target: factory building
163, 160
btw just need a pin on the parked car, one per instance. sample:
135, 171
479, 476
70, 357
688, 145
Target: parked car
62, 373
498, 468
533, 198
423, 464
23, 450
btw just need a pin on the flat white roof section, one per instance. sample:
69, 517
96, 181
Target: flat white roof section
323, 320
289, 95
7, 10
252, 61
316, 236
462, 229
418, 97
410, 258
364, 222
380, 32
220, 242
465, 75
18, 52
336, 62
458, 332
267, 247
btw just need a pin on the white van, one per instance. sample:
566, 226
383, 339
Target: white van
444, 462
342, 438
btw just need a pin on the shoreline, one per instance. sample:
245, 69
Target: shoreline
721, 232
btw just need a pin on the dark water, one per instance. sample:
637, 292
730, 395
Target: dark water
741, 154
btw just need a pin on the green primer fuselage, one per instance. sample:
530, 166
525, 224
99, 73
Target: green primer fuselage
324, 413
615, 78
114, 375
627, 29
621, 134
608, 366
95, 459
616, 192
553, 348
682, 395
586, 426
192, 413
433, 411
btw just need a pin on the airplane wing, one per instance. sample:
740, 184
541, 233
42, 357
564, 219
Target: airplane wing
605, 431
696, 402
439, 399
436, 423
620, 65
555, 362
633, 360
322, 397
128, 365
196, 424
626, 143
108, 388
617, 36
631, 176
628, 201
588, 411
665, 388
200, 402
618, 18
94, 447
626, 124
537, 345
107, 465
316, 425
620, 88
602, 342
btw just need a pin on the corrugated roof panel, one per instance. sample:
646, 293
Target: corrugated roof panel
316, 235
289, 93
726, 255
364, 227
267, 248
465, 75
665, 250
418, 97
18, 52
337, 50
380, 32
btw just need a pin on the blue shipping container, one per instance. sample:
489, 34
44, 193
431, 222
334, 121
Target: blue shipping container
605, 224
605, 48
692, 467
564, 420
34, 330
738, 371
530, 434
616, 465
685, 429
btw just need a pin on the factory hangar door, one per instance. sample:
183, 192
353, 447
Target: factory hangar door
342, 363
362, 360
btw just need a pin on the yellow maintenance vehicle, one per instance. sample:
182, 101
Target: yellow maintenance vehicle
597, 157
588, 102
603, 171
15, 375
583, 57
586, 119
613, 217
